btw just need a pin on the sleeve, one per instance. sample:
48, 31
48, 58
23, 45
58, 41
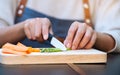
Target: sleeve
7, 12
107, 20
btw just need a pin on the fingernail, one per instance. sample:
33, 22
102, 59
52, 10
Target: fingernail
45, 37
68, 45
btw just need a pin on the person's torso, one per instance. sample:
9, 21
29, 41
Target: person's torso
61, 9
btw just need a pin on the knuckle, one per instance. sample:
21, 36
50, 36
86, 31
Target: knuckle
76, 23
88, 36
26, 26
90, 28
80, 32
37, 18
37, 36
46, 19
71, 31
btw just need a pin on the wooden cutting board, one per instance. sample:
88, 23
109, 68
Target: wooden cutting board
73, 56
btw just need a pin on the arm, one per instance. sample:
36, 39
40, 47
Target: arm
107, 22
7, 31
104, 42
11, 33
33, 29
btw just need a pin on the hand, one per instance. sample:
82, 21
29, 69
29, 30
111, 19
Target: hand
80, 35
37, 29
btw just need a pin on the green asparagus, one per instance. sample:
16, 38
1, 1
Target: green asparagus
51, 50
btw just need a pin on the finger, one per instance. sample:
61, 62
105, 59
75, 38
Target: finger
79, 34
87, 37
27, 31
32, 28
92, 41
38, 28
45, 28
71, 32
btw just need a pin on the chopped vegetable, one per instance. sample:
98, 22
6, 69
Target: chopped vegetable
10, 51
50, 50
21, 49
30, 48
68, 49
14, 47
36, 50
20, 44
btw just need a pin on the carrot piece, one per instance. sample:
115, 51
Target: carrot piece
18, 49
6, 53
20, 44
29, 48
36, 50
9, 51
14, 47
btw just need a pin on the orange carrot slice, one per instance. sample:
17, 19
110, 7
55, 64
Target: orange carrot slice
20, 44
36, 50
30, 49
9, 51
14, 47
19, 49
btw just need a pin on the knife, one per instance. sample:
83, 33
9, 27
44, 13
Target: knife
56, 43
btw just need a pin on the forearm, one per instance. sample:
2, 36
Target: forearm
12, 34
104, 42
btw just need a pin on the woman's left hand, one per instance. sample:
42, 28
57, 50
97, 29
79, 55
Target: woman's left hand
80, 35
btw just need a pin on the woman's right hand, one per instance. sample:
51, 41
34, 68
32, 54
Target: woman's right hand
37, 28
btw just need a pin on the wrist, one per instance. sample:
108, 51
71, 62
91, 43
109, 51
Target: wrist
104, 42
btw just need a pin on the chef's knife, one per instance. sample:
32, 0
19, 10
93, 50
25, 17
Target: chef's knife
56, 43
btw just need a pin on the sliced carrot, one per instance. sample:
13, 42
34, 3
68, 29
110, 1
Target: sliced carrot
9, 51
36, 50
29, 48
20, 44
14, 47
20, 49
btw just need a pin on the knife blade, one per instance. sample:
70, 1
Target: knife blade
56, 43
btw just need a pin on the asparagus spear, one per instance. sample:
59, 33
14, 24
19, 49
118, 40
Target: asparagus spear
51, 50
